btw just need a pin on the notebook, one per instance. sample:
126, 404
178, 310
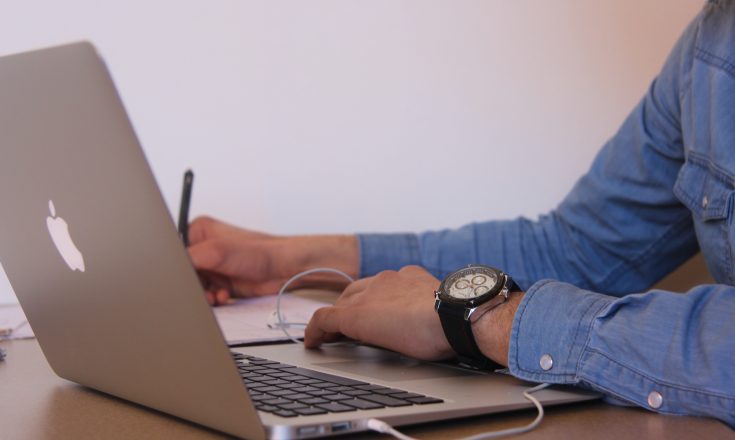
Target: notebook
95, 260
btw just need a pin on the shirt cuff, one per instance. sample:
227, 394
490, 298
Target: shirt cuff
379, 252
551, 330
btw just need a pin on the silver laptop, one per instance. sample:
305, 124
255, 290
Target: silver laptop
95, 260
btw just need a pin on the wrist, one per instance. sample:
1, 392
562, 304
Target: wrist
300, 253
492, 331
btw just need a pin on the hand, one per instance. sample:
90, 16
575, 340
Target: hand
394, 310
232, 261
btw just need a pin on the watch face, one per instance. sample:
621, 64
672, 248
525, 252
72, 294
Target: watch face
472, 282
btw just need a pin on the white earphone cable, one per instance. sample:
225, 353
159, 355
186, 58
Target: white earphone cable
283, 325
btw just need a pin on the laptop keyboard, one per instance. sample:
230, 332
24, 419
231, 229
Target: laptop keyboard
290, 391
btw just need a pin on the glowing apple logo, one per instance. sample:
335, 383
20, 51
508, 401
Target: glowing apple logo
59, 231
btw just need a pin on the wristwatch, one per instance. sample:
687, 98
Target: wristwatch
462, 298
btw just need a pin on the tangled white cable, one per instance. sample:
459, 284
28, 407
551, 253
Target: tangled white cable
283, 325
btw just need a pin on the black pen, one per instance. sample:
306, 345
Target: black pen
184, 207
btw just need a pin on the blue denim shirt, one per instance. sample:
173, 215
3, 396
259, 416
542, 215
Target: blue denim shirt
660, 190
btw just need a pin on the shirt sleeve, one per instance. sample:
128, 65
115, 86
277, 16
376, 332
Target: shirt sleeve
663, 351
619, 230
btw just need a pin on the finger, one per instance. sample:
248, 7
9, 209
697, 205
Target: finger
412, 270
323, 327
205, 228
210, 297
207, 255
356, 287
223, 296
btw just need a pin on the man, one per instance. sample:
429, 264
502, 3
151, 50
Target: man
660, 190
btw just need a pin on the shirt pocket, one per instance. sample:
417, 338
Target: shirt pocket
708, 193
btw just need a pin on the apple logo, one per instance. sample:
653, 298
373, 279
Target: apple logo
59, 231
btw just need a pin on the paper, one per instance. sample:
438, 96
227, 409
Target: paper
13, 323
247, 320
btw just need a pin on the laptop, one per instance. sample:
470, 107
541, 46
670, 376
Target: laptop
94, 257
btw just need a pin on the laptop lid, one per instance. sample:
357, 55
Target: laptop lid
95, 260
91, 250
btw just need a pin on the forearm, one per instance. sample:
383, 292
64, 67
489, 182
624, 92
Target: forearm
296, 254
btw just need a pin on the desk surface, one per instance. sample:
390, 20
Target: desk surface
36, 404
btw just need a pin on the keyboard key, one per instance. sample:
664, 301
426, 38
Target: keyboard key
274, 382
305, 389
406, 396
285, 413
356, 392
276, 373
361, 404
276, 401
340, 389
280, 393
335, 397
335, 407
325, 377
297, 396
310, 411
262, 362
314, 401
263, 388
371, 387
385, 400
294, 405
388, 391
266, 408
320, 393
425, 400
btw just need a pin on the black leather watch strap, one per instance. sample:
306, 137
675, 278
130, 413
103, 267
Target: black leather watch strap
459, 332
460, 336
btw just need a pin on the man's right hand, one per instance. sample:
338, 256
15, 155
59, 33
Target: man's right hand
236, 262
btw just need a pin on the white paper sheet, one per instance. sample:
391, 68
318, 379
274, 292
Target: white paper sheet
246, 321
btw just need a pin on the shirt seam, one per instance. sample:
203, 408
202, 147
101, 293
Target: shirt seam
718, 172
715, 61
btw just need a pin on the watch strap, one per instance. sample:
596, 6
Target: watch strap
458, 331
459, 334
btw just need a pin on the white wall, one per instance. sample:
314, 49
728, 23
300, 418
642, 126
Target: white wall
340, 116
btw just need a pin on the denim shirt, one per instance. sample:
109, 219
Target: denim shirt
660, 190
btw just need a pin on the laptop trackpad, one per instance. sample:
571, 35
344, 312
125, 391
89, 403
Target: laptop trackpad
395, 369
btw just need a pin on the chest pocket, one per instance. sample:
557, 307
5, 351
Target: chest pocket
708, 193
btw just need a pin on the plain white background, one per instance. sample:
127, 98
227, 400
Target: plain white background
383, 115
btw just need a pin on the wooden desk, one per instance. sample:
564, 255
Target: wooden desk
36, 404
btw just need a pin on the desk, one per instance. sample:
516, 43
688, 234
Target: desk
36, 404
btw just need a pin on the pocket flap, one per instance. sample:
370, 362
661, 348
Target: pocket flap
705, 192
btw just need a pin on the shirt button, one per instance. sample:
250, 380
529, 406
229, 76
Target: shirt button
546, 362
655, 400
705, 202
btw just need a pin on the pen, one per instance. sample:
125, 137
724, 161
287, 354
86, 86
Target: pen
184, 207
